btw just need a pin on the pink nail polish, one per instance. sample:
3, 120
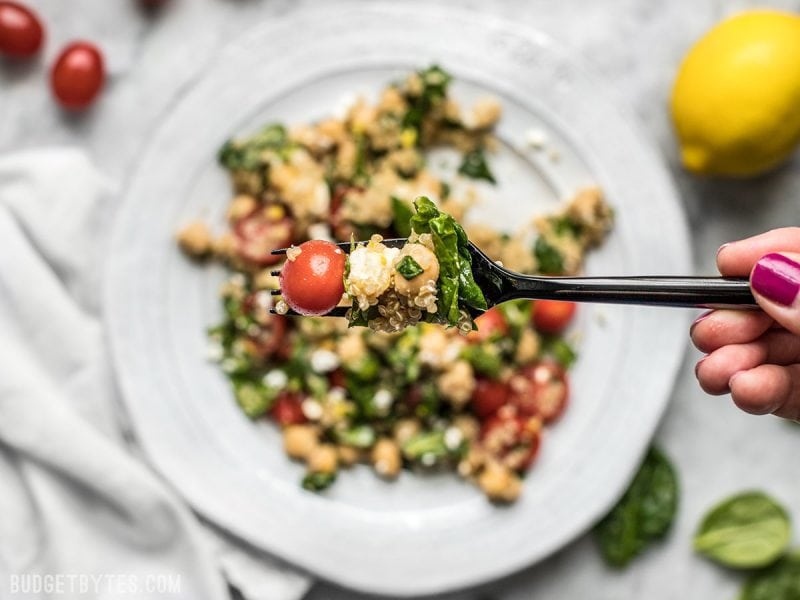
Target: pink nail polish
777, 278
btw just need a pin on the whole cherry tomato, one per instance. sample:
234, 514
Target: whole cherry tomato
78, 75
490, 324
552, 316
21, 31
311, 282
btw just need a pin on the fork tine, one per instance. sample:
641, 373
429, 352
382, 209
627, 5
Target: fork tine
392, 243
275, 292
339, 311
275, 273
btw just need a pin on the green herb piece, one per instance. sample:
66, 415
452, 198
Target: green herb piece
360, 436
255, 399
781, 581
517, 314
560, 349
434, 89
316, 482
248, 154
367, 368
425, 443
445, 190
475, 166
408, 268
643, 514
550, 260
746, 531
456, 283
429, 401
402, 356
484, 358
566, 226
401, 217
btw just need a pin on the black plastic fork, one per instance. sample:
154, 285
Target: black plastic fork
500, 285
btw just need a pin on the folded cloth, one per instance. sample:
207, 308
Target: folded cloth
80, 514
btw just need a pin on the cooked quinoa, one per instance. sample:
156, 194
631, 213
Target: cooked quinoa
438, 395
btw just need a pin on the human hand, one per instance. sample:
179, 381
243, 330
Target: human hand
755, 355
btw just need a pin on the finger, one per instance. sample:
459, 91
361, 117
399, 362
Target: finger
775, 281
736, 259
719, 328
777, 347
768, 389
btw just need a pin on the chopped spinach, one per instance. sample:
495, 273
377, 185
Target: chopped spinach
475, 166
359, 436
560, 349
434, 89
485, 359
644, 513
746, 531
316, 482
408, 268
549, 258
254, 398
430, 443
401, 217
781, 581
456, 283
248, 154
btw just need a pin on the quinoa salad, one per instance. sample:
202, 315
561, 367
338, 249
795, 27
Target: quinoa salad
408, 381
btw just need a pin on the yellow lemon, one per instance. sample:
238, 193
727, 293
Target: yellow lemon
736, 100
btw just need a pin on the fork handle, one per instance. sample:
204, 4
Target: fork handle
697, 292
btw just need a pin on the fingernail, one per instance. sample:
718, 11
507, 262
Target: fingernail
697, 366
702, 317
777, 278
721, 248
734, 376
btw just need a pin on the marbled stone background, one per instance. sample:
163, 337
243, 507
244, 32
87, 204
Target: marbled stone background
637, 45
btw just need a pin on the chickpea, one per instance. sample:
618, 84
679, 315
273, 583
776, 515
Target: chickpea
468, 426
195, 239
430, 270
528, 347
299, 441
404, 429
347, 455
241, 206
323, 459
225, 246
457, 383
499, 483
386, 457
486, 113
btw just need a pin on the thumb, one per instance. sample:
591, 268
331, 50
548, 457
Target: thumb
775, 281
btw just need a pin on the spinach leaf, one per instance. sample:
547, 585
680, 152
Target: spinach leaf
254, 398
426, 444
475, 166
643, 514
456, 283
408, 267
359, 436
781, 581
434, 89
247, 154
316, 482
746, 531
560, 349
401, 217
484, 358
549, 258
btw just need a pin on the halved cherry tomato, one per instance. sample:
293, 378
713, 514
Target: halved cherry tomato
78, 75
21, 31
490, 324
489, 396
511, 438
311, 283
540, 389
288, 409
552, 316
259, 233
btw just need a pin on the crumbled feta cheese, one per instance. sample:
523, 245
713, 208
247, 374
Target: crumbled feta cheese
228, 365
371, 272
320, 231
428, 459
453, 438
323, 361
214, 351
311, 409
383, 400
275, 379
263, 299
536, 139
237, 280
336, 394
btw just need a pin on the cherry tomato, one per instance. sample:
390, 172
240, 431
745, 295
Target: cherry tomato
262, 231
540, 389
312, 283
489, 396
490, 324
288, 409
21, 32
78, 75
552, 316
511, 438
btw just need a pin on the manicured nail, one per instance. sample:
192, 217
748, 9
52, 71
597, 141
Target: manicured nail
702, 317
721, 248
777, 278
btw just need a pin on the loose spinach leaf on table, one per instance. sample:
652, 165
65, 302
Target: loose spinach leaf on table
456, 283
781, 581
746, 531
475, 166
316, 482
644, 513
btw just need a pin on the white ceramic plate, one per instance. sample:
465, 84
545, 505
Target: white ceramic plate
420, 534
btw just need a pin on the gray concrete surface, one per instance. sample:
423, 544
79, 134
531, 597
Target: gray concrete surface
637, 45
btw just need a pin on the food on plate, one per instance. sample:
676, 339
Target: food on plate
444, 394
78, 75
21, 31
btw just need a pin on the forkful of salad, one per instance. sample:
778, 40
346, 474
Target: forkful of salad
437, 275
